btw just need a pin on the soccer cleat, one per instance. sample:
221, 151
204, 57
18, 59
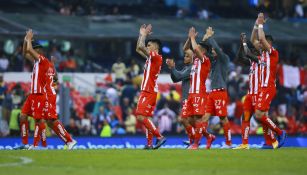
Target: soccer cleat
282, 138
275, 144
186, 142
159, 142
70, 145
193, 146
22, 147
32, 147
148, 147
226, 147
242, 146
210, 141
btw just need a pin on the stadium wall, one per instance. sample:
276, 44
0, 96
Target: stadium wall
80, 80
137, 142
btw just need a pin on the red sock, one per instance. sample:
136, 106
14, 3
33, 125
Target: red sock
43, 134
266, 135
24, 129
149, 137
227, 133
59, 129
245, 131
151, 127
198, 132
37, 132
204, 130
191, 133
271, 136
268, 122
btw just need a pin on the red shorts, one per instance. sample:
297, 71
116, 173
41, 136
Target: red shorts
217, 103
146, 104
265, 98
35, 105
184, 111
196, 104
51, 112
249, 103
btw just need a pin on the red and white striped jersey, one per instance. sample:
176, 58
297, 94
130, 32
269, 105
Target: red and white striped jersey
254, 78
199, 74
38, 77
151, 71
49, 88
268, 68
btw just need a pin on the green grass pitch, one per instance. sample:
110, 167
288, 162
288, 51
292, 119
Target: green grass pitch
155, 162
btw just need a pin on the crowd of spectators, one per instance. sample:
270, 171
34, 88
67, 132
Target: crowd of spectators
278, 9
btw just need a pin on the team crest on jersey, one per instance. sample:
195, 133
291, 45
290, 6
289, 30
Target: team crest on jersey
50, 72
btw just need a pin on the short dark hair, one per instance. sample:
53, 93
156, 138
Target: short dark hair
206, 46
156, 41
269, 38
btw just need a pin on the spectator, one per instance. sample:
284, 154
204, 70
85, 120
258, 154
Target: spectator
72, 128
4, 62
70, 63
134, 69
3, 89
280, 119
112, 95
130, 122
119, 69
115, 125
103, 116
173, 103
16, 62
124, 106
86, 125
106, 130
299, 10
165, 119
56, 55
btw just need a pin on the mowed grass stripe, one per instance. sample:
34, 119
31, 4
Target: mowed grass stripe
163, 161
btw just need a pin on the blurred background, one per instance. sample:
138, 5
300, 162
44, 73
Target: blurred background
94, 42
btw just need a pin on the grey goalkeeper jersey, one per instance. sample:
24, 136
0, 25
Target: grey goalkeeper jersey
219, 66
184, 76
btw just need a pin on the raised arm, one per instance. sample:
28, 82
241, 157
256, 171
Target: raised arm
187, 45
261, 34
196, 49
208, 37
140, 47
241, 57
25, 54
254, 37
29, 48
176, 75
138, 50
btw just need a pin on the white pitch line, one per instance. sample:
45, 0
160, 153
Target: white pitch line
24, 160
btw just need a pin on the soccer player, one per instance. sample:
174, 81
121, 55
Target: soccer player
250, 57
268, 69
50, 114
197, 93
184, 76
147, 100
36, 100
217, 99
